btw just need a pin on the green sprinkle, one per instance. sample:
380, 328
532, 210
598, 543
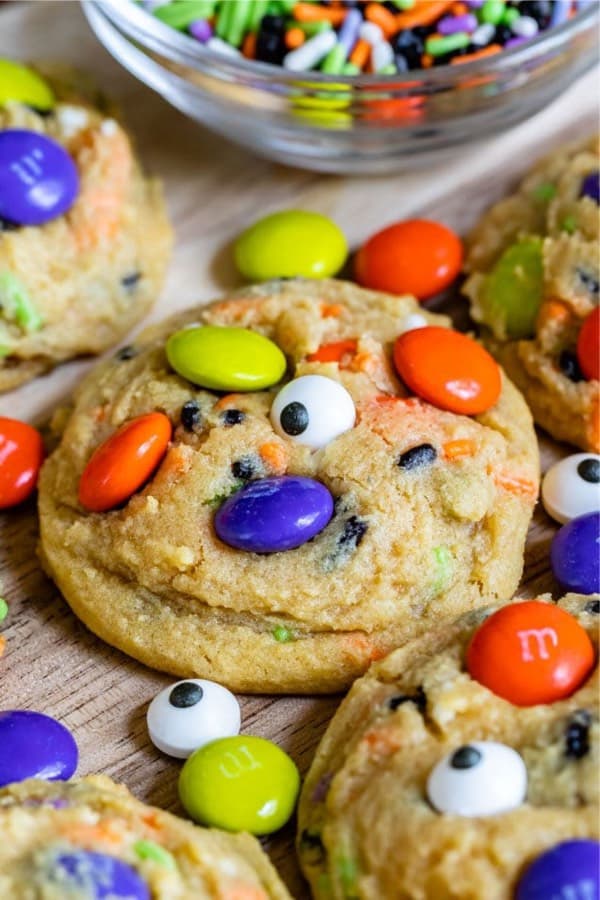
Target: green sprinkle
156, 853
3, 609
324, 884
334, 61
312, 28
404, 4
5, 350
282, 634
180, 15
259, 9
347, 873
238, 22
390, 69
439, 46
224, 18
569, 224
350, 69
544, 191
16, 305
225, 495
492, 11
443, 562
510, 15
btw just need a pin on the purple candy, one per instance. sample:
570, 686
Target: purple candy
33, 745
590, 186
38, 178
569, 870
274, 514
575, 554
348, 33
453, 24
201, 30
99, 876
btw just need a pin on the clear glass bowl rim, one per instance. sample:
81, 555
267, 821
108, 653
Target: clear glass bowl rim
141, 26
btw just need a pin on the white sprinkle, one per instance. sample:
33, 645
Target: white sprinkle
219, 46
151, 5
524, 26
311, 52
371, 33
108, 128
483, 35
414, 320
382, 55
71, 119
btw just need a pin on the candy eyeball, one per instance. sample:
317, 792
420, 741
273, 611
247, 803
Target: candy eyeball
571, 487
313, 410
191, 713
483, 778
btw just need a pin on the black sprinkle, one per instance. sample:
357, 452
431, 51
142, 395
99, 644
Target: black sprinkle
465, 757
569, 365
186, 694
5, 225
589, 281
589, 470
191, 415
409, 45
243, 468
502, 35
130, 281
592, 607
294, 418
311, 847
353, 533
42, 113
233, 417
423, 455
577, 734
419, 699
127, 352
540, 10
270, 40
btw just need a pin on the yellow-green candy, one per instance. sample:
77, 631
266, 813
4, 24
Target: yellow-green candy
240, 784
291, 243
225, 359
513, 290
22, 85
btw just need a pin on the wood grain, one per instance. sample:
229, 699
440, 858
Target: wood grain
51, 662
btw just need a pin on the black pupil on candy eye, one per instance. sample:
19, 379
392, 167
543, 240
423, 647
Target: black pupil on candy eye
589, 469
185, 694
423, 455
465, 758
593, 607
294, 418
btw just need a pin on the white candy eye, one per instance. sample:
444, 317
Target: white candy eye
571, 487
191, 713
483, 778
313, 410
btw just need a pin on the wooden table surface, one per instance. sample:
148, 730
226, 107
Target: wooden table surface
52, 663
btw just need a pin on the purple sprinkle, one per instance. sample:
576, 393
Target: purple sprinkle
475, 4
515, 42
560, 12
321, 788
201, 30
348, 33
452, 24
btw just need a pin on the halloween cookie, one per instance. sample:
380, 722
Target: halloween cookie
534, 272
463, 764
253, 493
84, 237
91, 838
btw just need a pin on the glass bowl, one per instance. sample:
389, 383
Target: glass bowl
332, 123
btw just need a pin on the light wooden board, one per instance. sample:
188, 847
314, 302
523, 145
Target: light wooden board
213, 189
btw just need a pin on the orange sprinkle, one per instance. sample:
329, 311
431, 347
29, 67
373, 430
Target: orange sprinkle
228, 401
99, 413
426, 61
308, 12
552, 311
360, 54
382, 741
249, 45
458, 449
274, 455
2, 642
90, 835
459, 9
332, 310
516, 484
295, 37
381, 16
333, 352
177, 461
425, 12
490, 50
360, 643
240, 891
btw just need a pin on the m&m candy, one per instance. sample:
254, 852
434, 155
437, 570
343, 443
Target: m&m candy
512, 292
18, 84
98, 876
571, 487
531, 652
33, 745
588, 346
575, 554
448, 369
414, 257
124, 462
38, 178
21, 455
568, 871
240, 784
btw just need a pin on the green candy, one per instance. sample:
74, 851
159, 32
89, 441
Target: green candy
291, 243
225, 359
3, 609
155, 853
16, 305
21, 85
240, 784
513, 290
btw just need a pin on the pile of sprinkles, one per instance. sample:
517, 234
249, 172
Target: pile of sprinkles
350, 37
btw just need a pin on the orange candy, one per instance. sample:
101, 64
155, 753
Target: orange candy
530, 653
413, 257
21, 455
448, 369
588, 346
122, 464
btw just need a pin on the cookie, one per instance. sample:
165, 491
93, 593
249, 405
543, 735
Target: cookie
91, 838
410, 515
533, 280
429, 785
75, 284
